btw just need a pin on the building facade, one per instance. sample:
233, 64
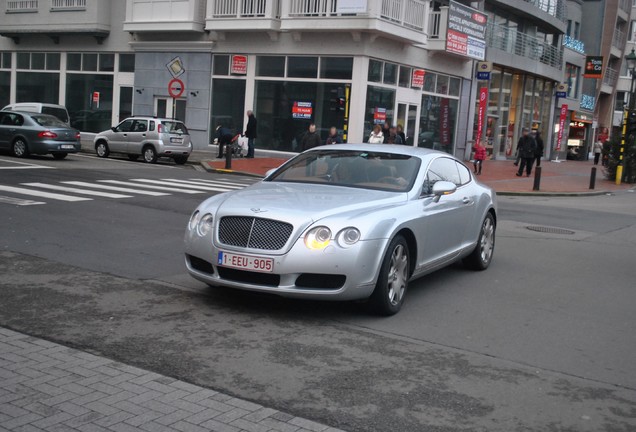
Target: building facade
344, 63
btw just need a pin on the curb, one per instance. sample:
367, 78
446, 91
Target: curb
227, 171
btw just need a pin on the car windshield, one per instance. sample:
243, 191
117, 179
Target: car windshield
48, 121
175, 127
60, 113
352, 168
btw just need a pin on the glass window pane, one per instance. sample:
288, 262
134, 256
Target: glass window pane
38, 87
74, 61
429, 81
37, 61
228, 109
221, 65
336, 67
375, 71
454, 86
24, 60
442, 84
6, 61
5, 88
405, 76
107, 62
271, 66
302, 67
53, 61
89, 62
379, 108
126, 62
86, 115
390, 73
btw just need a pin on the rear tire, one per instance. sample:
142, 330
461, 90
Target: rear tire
20, 148
388, 296
481, 256
102, 150
60, 156
180, 160
149, 154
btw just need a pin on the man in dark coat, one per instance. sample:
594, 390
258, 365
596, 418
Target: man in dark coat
526, 149
224, 136
310, 139
250, 133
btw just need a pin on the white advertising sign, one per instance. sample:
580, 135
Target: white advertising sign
351, 6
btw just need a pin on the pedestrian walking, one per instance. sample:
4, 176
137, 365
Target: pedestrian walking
376, 137
250, 133
385, 131
538, 154
223, 138
310, 139
334, 137
393, 138
479, 158
526, 149
400, 132
598, 149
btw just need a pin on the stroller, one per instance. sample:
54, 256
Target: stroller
238, 145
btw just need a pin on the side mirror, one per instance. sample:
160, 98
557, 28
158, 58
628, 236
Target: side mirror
441, 188
270, 172
114, 129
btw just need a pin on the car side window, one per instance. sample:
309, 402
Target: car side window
5, 119
152, 126
140, 126
125, 126
18, 120
464, 173
441, 169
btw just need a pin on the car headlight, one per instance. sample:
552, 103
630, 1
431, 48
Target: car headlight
205, 225
348, 237
194, 220
318, 237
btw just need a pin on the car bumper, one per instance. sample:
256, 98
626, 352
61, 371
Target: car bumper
334, 273
175, 150
44, 147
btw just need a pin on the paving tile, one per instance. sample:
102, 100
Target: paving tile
52, 420
140, 419
308, 424
115, 418
80, 421
188, 427
173, 417
230, 416
249, 426
217, 426
27, 418
214, 404
279, 426
158, 406
240, 403
199, 395
202, 416
72, 408
155, 427
261, 414
284, 417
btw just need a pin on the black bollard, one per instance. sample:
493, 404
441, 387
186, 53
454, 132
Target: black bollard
228, 156
593, 178
537, 179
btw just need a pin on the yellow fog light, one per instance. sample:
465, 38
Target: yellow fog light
318, 238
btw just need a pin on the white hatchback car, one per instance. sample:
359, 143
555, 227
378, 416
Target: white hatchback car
149, 137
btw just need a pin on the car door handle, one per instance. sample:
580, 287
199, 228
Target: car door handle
467, 200
143, 134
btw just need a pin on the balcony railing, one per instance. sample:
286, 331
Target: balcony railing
618, 40
556, 8
22, 6
610, 77
58, 5
241, 8
435, 24
512, 41
625, 6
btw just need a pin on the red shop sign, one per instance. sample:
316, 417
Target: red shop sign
417, 80
239, 65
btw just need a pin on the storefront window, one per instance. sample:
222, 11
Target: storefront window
454, 86
37, 61
429, 82
74, 61
285, 110
270, 66
405, 76
38, 87
438, 117
379, 108
442, 84
5, 60
221, 65
375, 71
390, 73
86, 114
227, 109
89, 62
24, 60
5, 87
106, 62
336, 67
302, 67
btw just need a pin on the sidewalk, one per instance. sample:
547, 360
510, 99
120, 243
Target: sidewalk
45, 386
557, 178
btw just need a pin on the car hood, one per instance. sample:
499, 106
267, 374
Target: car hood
299, 203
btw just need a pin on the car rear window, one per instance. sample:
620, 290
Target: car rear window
57, 112
48, 121
175, 127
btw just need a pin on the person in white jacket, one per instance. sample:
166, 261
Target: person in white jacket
376, 136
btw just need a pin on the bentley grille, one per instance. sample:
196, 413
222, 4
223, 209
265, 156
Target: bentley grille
254, 233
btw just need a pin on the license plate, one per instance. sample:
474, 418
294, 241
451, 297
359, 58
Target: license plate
246, 262
68, 146
176, 140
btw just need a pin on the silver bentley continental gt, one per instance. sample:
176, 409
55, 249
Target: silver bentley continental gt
345, 222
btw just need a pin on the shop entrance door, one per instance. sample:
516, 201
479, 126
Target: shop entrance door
168, 107
407, 116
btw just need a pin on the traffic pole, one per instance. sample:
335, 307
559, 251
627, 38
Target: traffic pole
593, 178
619, 167
537, 179
228, 156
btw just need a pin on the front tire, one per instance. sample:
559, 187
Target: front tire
20, 148
60, 156
388, 296
481, 256
102, 149
150, 155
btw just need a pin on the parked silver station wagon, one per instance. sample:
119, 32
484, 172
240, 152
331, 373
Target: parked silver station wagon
149, 137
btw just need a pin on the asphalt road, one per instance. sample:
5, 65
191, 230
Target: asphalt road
542, 340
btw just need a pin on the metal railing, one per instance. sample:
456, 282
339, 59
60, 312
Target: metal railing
610, 77
68, 4
243, 8
521, 44
618, 40
556, 8
22, 5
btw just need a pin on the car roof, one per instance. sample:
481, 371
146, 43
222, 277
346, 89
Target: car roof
384, 148
151, 118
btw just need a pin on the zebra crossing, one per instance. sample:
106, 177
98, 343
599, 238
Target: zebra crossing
37, 193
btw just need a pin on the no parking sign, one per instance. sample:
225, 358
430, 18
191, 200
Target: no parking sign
175, 87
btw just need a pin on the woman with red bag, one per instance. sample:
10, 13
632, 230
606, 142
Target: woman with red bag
480, 156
